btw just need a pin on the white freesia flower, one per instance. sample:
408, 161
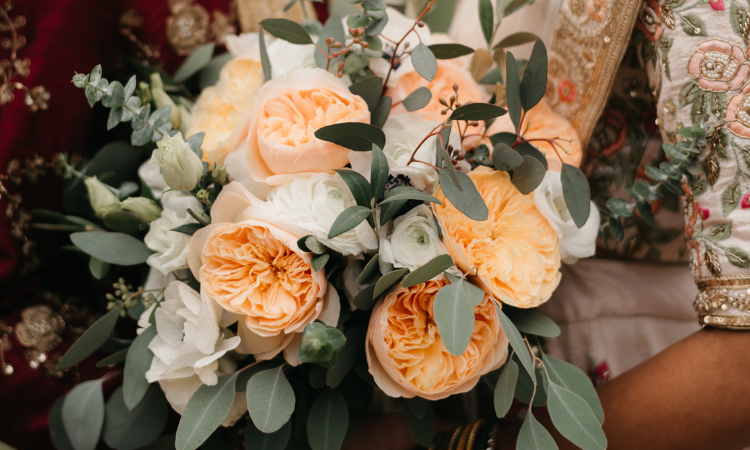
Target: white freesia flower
180, 166
314, 203
574, 242
190, 348
171, 247
102, 199
413, 242
403, 134
284, 55
398, 25
151, 175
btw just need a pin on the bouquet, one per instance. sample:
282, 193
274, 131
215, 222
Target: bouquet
342, 208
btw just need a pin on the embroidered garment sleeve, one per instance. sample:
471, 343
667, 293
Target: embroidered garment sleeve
700, 72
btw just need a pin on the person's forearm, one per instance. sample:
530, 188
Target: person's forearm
694, 395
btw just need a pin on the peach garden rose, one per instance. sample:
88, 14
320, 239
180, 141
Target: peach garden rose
247, 261
407, 357
515, 250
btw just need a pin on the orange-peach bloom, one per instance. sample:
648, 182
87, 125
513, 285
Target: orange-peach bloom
441, 86
407, 357
247, 260
515, 250
541, 122
280, 129
219, 108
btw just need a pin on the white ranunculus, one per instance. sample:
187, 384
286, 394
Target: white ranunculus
314, 203
180, 166
151, 175
171, 247
398, 25
284, 55
574, 242
102, 199
403, 134
413, 242
190, 348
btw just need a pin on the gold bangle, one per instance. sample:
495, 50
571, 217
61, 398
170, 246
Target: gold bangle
454, 439
473, 434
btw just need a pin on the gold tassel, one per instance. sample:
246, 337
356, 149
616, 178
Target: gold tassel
712, 261
712, 170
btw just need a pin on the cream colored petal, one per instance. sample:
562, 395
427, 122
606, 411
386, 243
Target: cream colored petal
197, 242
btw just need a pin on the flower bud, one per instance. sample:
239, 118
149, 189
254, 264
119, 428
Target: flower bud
144, 92
102, 199
180, 167
162, 99
220, 175
202, 196
79, 80
144, 208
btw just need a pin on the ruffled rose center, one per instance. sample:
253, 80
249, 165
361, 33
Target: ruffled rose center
413, 340
248, 271
719, 66
293, 117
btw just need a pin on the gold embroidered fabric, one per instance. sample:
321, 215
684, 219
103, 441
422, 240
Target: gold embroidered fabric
191, 25
252, 12
589, 41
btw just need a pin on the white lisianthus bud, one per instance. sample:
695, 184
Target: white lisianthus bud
414, 240
102, 199
180, 167
142, 207
574, 242
161, 98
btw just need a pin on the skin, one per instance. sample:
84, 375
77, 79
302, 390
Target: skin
693, 395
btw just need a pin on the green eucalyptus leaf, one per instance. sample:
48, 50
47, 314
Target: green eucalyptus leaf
270, 399
388, 280
355, 344
91, 340
573, 379
135, 104
114, 358
379, 171
516, 341
573, 418
369, 88
422, 427
616, 228
96, 74
114, 248
576, 193
644, 209
57, 429
370, 271
198, 59
408, 193
255, 439
319, 261
534, 82
417, 99
141, 119
376, 26
505, 388
530, 321
355, 136
123, 221
115, 117
515, 39
418, 406
513, 91
468, 201
265, 60
83, 414
287, 30
348, 219
210, 73
533, 435
327, 421
486, 19
137, 363
126, 429
505, 158
474, 295
310, 243
205, 411
620, 207
389, 210
454, 318
424, 62
433, 268
358, 185
477, 111
674, 152
354, 62
381, 112
450, 51
529, 175
115, 95
333, 29
188, 228
98, 268
365, 299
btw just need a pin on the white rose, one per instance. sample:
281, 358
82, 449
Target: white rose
403, 134
171, 247
151, 175
398, 25
180, 166
189, 348
102, 199
574, 242
314, 204
284, 56
414, 240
